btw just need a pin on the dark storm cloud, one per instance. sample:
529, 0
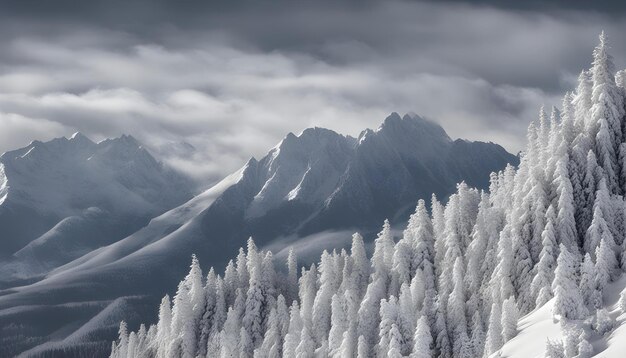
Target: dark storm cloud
233, 77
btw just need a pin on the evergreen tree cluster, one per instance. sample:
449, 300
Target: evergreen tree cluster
458, 278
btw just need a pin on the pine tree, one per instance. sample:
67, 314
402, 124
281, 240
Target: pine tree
582, 101
219, 316
587, 286
183, 323
196, 288
306, 347
329, 283
603, 322
362, 348
252, 321
395, 343
442, 338
293, 335
292, 276
478, 335
407, 317
501, 278
361, 265
368, 314
494, 340
231, 282
570, 344
481, 253
243, 274
438, 222
164, 326
554, 349
382, 260
273, 337
122, 347
606, 111
510, 315
417, 248
339, 323
605, 265
308, 289
348, 347
542, 281
569, 303
229, 337
422, 340
457, 323
207, 312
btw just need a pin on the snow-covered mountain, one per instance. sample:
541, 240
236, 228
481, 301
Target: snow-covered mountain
63, 198
309, 183
320, 180
547, 243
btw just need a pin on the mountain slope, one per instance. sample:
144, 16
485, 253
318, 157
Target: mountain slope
66, 197
313, 182
539, 326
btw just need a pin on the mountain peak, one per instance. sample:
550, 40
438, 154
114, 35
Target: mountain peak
393, 119
77, 135
316, 131
413, 125
308, 139
125, 141
80, 138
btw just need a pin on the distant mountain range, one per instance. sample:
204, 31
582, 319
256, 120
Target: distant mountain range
75, 216
63, 198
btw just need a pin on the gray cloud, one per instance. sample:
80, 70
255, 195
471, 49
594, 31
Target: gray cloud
232, 80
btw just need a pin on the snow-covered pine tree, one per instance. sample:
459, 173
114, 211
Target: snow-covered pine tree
510, 315
422, 339
541, 284
494, 340
588, 286
568, 303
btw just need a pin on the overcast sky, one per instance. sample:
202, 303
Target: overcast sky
233, 77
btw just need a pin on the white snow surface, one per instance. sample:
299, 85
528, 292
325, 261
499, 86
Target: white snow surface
4, 183
537, 327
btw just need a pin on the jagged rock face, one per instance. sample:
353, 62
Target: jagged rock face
322, 180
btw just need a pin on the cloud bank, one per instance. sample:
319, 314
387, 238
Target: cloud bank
231, 81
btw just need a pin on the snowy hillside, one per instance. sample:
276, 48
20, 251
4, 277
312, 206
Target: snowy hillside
66, 197
546, 243
317, 181
539, 327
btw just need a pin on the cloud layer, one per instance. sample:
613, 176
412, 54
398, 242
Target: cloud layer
233, 81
